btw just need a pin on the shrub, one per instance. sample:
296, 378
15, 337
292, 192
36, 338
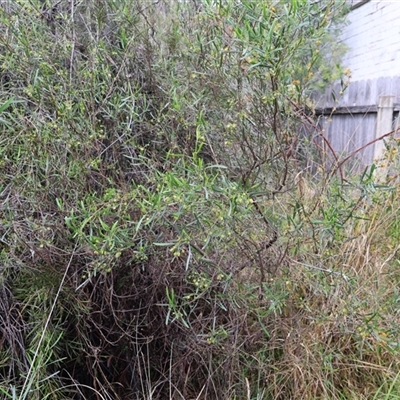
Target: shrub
159, 238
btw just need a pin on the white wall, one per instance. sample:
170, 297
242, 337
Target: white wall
373, 37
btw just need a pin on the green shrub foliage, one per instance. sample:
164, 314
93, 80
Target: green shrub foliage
147, 154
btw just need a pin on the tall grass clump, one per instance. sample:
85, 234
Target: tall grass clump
167, 228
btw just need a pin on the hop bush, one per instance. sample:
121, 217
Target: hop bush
157, 222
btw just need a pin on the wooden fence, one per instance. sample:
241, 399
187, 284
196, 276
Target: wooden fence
366, 111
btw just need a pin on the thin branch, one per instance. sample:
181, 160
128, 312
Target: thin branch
364, 146
29, 380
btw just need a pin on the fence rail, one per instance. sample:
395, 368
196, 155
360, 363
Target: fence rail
366, 111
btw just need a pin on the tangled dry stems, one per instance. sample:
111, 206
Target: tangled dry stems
161, 240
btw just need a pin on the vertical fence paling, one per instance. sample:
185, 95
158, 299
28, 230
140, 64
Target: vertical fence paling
384, 121
350, 126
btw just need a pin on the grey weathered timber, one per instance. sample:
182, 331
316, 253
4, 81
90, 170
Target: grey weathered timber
364, 112
383, 123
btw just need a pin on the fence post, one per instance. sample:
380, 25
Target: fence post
384, 121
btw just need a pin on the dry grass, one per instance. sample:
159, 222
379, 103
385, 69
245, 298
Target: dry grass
159, 236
